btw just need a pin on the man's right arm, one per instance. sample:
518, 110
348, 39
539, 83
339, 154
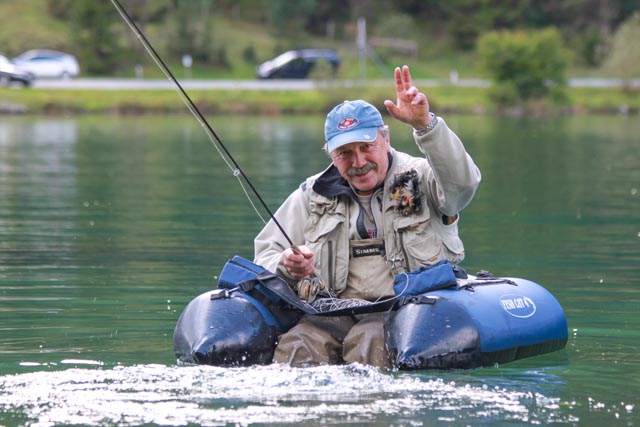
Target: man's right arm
270, 244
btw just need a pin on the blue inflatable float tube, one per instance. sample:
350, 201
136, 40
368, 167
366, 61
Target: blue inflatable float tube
458, 322
484, 323
235, 325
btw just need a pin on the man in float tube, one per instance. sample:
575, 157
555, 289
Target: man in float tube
372, 214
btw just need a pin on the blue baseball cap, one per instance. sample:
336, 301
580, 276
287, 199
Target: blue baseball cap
351, 121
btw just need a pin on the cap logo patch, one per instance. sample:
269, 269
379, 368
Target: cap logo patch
347, 123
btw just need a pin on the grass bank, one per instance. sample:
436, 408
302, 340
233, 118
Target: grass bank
449, 99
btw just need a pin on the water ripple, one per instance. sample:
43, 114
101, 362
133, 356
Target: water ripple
265, 395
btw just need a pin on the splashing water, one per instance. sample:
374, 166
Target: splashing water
280, 394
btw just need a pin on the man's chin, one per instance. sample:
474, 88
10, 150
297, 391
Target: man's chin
362, 187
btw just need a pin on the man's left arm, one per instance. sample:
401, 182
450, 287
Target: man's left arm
454, 177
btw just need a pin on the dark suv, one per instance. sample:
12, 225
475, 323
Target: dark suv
298, 64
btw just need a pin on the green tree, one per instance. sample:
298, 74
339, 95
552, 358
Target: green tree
191, 29
624, 57
326, 12
470, 18
587, 25
93, 34
524, 65
59, 8
289, 19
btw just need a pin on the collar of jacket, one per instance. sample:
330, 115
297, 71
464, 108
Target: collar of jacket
331, 184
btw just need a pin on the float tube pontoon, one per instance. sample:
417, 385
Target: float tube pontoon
440, 318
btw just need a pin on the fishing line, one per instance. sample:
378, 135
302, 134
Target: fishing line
215, 140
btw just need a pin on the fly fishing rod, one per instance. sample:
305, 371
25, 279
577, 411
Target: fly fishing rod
217, 142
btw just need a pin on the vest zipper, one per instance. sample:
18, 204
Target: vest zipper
404, 251
331, 266
399, 264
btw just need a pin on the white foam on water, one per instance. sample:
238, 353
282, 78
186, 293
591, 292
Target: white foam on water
204, 395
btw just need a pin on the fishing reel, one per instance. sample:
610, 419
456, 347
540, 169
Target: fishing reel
309, 288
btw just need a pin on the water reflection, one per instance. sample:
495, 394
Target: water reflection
38, 179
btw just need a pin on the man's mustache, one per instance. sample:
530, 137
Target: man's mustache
361, 171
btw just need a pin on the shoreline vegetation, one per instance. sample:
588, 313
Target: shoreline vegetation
444, 99
528, 49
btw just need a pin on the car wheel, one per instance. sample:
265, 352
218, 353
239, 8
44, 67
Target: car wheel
65, 75
4, 81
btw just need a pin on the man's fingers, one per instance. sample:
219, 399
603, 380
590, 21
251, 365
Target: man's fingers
399, 83
419, 99
406, 76
407, 93
391, 108
305, 252
298, 261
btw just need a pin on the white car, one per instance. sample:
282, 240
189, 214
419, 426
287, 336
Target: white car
10, 74
47, 63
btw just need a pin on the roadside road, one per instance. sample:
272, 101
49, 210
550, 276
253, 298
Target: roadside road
276, 85
193, 84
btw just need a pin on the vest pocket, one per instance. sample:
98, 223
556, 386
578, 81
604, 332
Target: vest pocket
421, 245
314, 231
427, 242
453, 249
320, 237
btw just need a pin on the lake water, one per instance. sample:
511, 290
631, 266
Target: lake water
109, 226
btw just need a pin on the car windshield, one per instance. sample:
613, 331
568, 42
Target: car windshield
39, 54
284, 58
320, 54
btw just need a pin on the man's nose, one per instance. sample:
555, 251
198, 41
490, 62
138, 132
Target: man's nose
359, 158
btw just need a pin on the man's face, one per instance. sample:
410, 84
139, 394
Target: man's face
363, 164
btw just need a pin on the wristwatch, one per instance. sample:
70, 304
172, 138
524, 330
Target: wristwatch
431, 125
